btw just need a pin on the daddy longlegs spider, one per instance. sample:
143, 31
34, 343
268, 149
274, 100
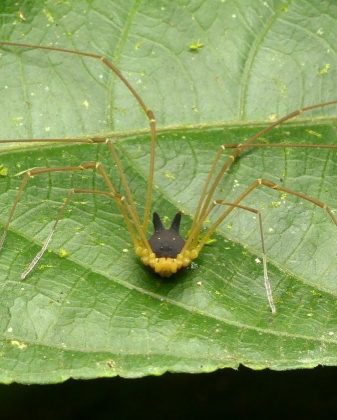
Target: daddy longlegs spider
165, 252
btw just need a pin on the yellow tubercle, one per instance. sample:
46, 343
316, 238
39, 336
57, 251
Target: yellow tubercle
165, 267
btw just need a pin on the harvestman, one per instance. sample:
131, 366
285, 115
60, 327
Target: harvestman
165, 252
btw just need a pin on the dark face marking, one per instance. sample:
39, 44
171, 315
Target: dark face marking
166, 243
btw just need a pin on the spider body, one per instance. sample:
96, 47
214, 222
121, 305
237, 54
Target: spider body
167, 256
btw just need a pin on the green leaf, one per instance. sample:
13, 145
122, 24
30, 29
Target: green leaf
90, 308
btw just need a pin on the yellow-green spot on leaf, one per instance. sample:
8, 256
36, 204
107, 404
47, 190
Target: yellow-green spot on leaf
316, 293
44, 266
63, 253
281, 86
48, 15
275, 204
195, 46
284, 8
138, 45
19, 344
211, 241
324, 70
169, 175
314, 133
22, 16
3, 170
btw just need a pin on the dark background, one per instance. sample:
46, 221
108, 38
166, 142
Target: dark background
222, 394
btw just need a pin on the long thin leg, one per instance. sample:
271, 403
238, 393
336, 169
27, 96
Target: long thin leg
284, 146
149, 114
123, 180
45, 245
214, 178
264, 256
127, 210
249, 190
